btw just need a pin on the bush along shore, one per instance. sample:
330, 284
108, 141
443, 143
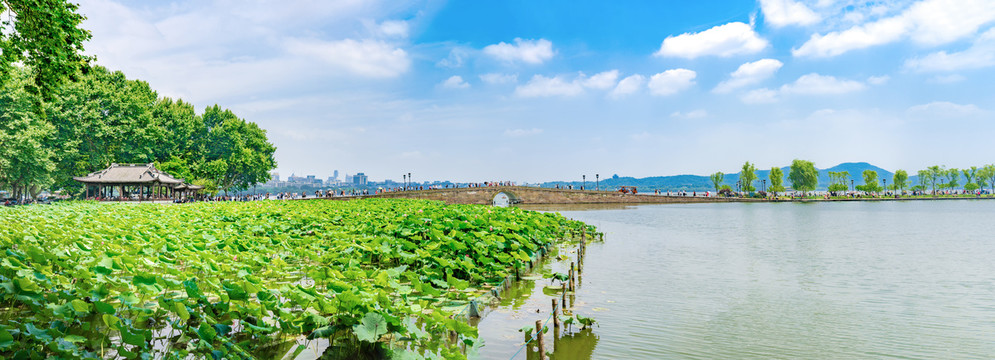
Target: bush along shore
369, 278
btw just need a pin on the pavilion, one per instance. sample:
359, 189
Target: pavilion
135, 182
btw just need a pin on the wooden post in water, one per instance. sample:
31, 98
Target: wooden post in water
556, 319
563, 295
542, 347
572, 276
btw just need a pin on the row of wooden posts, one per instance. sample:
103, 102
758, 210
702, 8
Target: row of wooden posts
579, 265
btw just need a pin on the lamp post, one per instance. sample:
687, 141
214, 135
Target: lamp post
597, 182
404, 182
764, 182
411, 183
884, 183
584, 177
851, 185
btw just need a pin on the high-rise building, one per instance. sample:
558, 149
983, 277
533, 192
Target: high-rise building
335, 175
359, 179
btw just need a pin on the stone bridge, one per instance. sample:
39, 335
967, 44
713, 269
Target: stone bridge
534, 195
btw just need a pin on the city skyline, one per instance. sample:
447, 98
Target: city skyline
534, 91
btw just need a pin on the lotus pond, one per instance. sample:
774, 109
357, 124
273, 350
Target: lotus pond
269, 279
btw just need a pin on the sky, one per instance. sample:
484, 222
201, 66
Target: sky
533, 91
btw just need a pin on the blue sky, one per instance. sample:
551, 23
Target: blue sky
550, 90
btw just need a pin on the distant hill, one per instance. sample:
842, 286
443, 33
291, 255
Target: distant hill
702, 182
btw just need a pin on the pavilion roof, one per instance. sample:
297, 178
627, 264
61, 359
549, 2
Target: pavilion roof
129, 174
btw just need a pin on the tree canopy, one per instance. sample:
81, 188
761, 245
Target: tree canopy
776, 180
870, 181
45, 36
900, 180
106, 118
716, 179
747, 176
803, 175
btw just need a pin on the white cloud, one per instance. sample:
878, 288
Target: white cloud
628, 85
671, 81
929, 22
980, 55
527, 51
947, 79
694, 114
727, 40
878, 80
455, 82
541, 86
497, 78
945, 109
394, 28
748, 74
372, 58
455, 59
522, 132
604, 80
760, 96
781, 13
815, 84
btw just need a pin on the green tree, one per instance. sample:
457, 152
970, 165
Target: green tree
776, 180
953, 178
986, 175
45, 36
923, 177
237, 151
933, 174
837, 181
747, 176
900, 180
803, 175
716, 180
870, 182
25, 163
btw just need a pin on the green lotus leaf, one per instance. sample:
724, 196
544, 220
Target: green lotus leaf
371, 327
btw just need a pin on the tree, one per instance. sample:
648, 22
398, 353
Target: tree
900, 180
25, 163
837, 181
987, 175
870, 182
953, 176
933, 174
803, 175
716, 180
970, 175
43, 35
776, 180
923, 177
747, 176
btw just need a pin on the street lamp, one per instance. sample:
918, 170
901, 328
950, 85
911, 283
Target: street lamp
597, 182
764, 182
851, 185
884, 183
585, 182
411, 183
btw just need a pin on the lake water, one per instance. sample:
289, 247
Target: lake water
840, 280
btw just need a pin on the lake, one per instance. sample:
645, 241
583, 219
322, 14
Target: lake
837, 280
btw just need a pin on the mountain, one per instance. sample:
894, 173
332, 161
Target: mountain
703, 183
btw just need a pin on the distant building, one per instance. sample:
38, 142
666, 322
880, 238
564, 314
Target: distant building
348, 179
359, 179
335, 176
274, 176
294, 179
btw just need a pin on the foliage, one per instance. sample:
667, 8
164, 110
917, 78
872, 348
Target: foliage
43, 35
986, 175
870, 182
970, 175
900, 180
716, 179
932, 175
776, 180
747, 176
803, 175
106, 118
953, 177
838, 181
25, 164
229, 280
